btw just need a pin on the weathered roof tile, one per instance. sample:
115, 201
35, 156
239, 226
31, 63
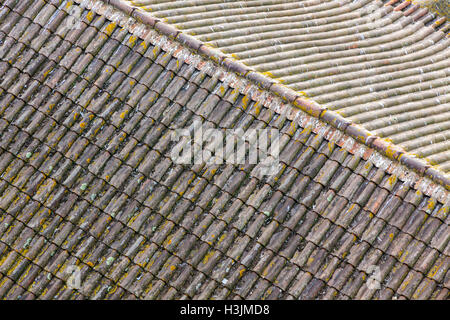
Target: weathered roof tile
86, 167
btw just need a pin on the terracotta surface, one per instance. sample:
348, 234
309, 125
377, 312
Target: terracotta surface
87, 179
381, 64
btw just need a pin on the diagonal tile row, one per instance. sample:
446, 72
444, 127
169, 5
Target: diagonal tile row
225, 246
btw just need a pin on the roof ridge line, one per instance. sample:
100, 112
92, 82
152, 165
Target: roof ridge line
311, 107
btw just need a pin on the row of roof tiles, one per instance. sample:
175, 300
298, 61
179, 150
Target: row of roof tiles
90, 183
393, 61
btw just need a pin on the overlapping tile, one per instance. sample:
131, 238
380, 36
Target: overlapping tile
88, 183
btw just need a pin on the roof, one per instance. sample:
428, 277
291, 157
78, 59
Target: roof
90, 191
381, 64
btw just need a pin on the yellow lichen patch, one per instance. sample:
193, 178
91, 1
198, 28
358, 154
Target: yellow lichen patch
268, 74
123, 114
82, 220
221, 238
292, 128
330, 146
208, 256
435, 269
110, 28
425, 217
6, 171
416, 295
191, 179
306, 130
361, 138
172, 268
392, 180
222, 89
155, 51
404, 256
257, 107
245, 101
430, 205
113, 290
234, 91
390, 152
50, 106
351, 207
90, 264
47, 72
132, 40
90, 16
443, 211
405, 284
235, 56
213, 171
83, 125
130, 67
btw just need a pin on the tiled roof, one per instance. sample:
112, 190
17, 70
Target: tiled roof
382, 64
87, 180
